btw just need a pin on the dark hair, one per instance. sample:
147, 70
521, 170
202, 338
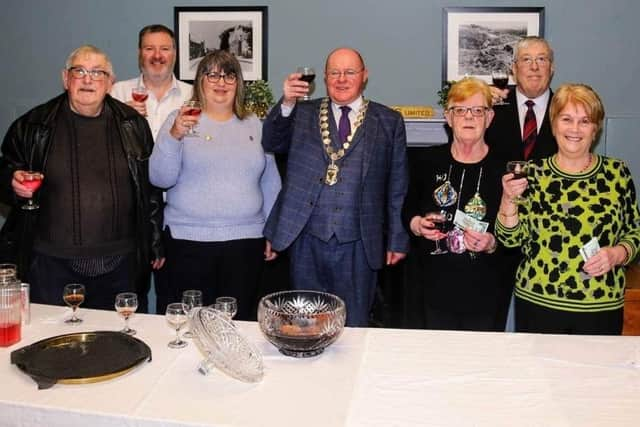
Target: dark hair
227, 63
155, 28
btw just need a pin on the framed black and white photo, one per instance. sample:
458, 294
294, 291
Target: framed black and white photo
241, 30
479, 40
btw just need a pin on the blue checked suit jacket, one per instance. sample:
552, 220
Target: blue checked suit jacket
384, 176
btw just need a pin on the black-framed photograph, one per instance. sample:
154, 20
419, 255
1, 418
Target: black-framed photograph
477, 41
240, 30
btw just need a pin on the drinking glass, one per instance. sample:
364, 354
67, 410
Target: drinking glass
228, 305
440, 220
500, 79
308, 75
176, 316
139, 94
126, 305
73, 296
191, 298
33, 181
519, 169
193, 109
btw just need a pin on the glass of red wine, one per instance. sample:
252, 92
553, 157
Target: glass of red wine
439, 219
193, 109
308, 75
73, 296
500, 79
139, 94
32, 180
519, 169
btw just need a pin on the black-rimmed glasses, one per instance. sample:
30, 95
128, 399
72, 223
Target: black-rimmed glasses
462, 111
81, 72
214, 77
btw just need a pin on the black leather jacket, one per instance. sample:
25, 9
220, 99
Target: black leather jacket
26, 147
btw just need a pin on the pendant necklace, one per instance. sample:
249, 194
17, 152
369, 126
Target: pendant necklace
445, 195
476, 206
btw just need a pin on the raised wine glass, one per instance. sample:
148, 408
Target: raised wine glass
228, 305
191, 298
308, 75
519, 169
176, 316
73, 296
439, 218
32, 180
139, 94
126, 304
193, 109
500, 79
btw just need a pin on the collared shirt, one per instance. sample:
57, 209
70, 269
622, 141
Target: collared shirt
157, 110
539, 109
286, 110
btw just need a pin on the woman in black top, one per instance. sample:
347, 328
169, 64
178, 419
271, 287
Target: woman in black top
467, 287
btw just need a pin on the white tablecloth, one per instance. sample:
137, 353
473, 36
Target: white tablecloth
369, 377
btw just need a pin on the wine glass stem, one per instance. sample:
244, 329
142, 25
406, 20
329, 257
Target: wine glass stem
73, 313
126, 324
177, 335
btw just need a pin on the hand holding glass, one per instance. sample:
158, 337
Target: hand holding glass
193, 109
191, 298
519, 169
32, 180
439, 220
126, 305
308, 75
176, 316
73, 296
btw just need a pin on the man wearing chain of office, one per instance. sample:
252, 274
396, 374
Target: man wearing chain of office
339, 209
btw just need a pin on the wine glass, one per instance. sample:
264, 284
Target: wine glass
32, 180
500, 79
193, 109
227, 305
139, 94
519, 169
191, 298
176, 316
308, 75
73, 296
439, 218
126, 305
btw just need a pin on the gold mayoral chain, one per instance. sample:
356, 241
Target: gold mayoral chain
331, 178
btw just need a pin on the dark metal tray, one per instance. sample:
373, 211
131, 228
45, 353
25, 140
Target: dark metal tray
80, 358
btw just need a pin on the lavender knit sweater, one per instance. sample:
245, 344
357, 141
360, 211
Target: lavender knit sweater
220, 185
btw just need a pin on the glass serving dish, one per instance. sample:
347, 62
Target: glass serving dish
224, 347
301, 323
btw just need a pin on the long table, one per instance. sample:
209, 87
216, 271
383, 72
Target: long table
369, 377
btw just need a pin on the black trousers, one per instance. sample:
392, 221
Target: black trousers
48, 276
231, 268
538, 319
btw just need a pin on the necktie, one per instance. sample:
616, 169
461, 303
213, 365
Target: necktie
344, 126
530, 131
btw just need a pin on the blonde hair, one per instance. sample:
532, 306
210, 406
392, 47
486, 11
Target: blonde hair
466, 88
88, 49
579, 94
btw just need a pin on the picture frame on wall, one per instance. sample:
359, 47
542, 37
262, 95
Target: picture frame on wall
480, 40
241, 30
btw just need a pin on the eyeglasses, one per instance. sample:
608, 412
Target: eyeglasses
214, 77
348, 74
539, 60
81, 72
462, 111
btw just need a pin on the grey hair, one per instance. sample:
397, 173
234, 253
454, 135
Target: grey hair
89, 49
527, 41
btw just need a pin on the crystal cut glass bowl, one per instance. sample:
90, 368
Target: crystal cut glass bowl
224, 347
301, 323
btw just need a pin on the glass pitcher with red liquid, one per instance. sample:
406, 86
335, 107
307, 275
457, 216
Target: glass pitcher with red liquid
10, 306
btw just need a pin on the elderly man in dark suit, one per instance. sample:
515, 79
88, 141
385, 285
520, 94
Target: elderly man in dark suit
521, 128
346, 180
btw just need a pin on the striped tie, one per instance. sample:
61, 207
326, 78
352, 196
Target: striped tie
530, 129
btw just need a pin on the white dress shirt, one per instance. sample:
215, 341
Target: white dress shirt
157, 110
539, 109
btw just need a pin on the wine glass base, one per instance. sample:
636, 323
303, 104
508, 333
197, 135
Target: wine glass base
31, 207
128, 331
177, 344
439, 252
500, 103
73, 320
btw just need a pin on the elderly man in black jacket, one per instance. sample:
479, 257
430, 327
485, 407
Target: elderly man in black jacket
99, 219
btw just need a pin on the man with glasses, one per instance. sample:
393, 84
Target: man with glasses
521, 129
99, 219
339, 210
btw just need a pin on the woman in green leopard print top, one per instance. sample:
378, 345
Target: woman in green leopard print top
572, 197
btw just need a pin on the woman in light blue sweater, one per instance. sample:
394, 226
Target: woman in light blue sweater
220, 188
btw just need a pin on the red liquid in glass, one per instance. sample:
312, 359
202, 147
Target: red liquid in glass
307, 77
32, 183
10, 333
193, 111
140, 97
501, 83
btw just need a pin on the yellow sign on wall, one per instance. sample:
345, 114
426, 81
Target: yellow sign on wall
415, 111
